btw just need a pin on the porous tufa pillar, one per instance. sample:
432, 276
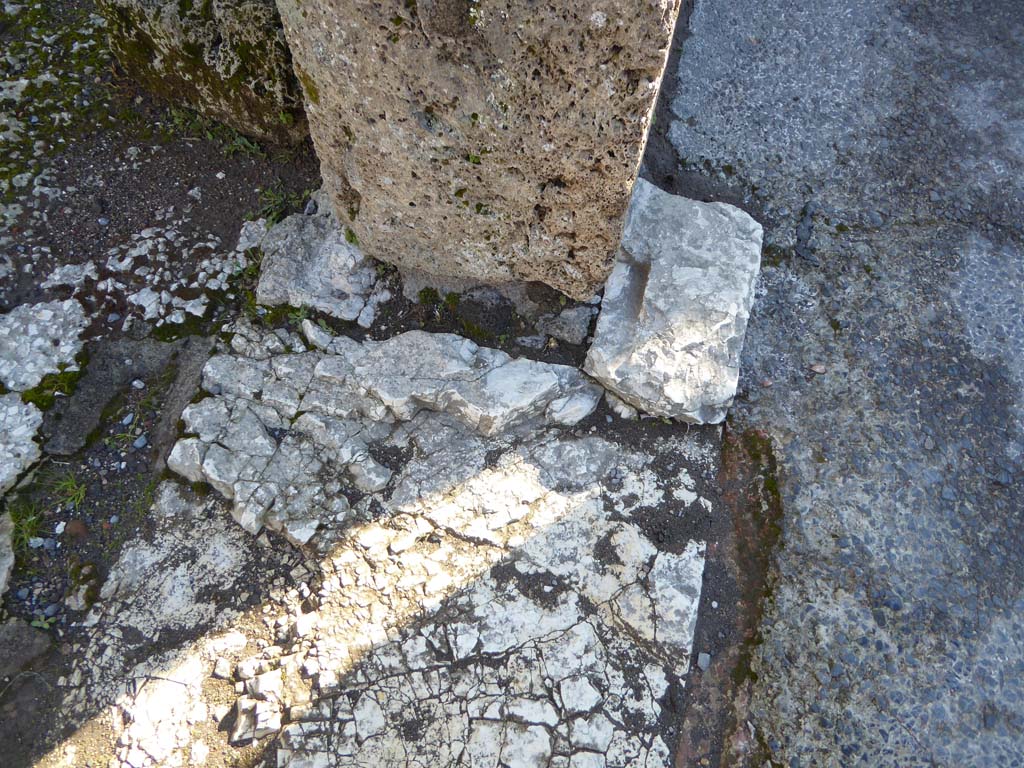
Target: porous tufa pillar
487, 141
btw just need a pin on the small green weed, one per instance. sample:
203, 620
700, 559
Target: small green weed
42, 622
26, 523
244, 146
276, 203
69, 490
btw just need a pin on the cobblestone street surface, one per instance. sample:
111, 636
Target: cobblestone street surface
881, 144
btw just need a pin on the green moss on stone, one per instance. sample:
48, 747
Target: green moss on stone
308, 85
232, 66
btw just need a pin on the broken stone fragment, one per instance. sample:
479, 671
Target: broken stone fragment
482, 142
675, 309
309, 262
571, 325
287, 473
482, 387
18, 450
6, 550
226, 59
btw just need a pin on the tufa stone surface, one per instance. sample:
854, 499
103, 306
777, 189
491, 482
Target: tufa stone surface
490, 141
675, 308
227, 59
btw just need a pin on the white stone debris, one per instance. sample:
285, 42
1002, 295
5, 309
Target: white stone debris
71, 275
37, 339
147, 270
571, 325
308, 261
6, 550
481, 586
675, 308
329, 409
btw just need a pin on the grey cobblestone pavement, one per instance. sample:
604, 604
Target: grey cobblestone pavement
882, 145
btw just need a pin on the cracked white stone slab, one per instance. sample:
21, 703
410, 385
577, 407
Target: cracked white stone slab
308, 261
519, 616
18, 450
675, 308
37, 339
490, 595
329, 408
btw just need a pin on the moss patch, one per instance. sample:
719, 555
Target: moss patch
62, 383
310, 89
233, 66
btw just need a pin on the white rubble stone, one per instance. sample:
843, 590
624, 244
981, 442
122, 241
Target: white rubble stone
6, 551
308, 262
37, 339
482, 387
19, 422
571, 325
73, 275
675, 308
350, 396
245, 721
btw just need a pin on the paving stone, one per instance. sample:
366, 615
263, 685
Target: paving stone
674, 311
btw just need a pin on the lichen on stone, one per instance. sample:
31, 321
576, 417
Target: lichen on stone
225, 58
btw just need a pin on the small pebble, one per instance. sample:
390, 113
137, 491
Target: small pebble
139, 384
140, 442
703, 661
23, 593
103, 221
714, 603
51, 610
114, 519
818, 368
128, 419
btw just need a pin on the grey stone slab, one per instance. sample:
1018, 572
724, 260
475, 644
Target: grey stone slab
883, 141
675, 308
